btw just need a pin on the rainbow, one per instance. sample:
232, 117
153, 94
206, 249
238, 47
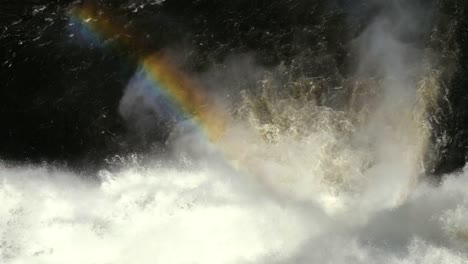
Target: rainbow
184, 94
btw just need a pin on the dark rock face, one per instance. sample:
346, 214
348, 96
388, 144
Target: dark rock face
450, 131
59, 96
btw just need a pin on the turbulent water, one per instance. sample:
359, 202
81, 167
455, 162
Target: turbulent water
311, 185
307, 171
297, 203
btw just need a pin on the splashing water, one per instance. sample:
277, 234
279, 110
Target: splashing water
301, 187
200, 212
289, 181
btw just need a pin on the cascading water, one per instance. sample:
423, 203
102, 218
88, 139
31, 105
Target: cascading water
294, 177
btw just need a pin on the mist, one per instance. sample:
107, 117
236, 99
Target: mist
295, 178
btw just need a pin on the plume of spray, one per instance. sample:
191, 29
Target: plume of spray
375, 148
397, 122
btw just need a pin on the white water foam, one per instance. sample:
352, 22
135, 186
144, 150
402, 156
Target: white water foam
201, 213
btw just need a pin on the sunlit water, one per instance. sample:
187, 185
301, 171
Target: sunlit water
291, 181
209, 209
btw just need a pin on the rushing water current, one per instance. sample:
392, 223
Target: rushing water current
261, 164
205, 213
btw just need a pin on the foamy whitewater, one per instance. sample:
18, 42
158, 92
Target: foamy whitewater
197, 212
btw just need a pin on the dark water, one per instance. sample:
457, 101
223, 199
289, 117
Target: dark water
60, 93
